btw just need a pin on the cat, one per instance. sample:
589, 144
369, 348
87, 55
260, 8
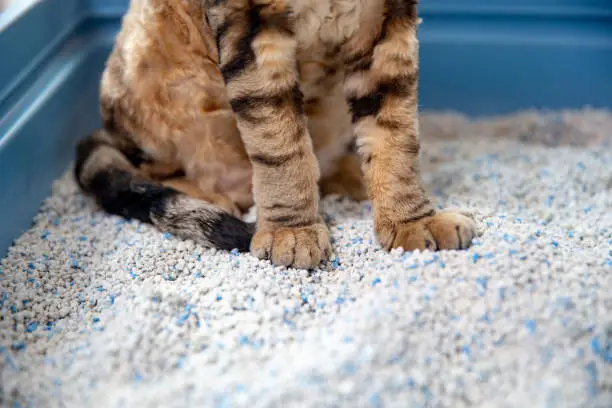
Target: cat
212, 106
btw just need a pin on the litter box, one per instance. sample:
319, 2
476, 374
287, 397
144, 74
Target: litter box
478, 57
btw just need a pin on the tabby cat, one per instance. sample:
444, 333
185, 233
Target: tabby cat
211, 106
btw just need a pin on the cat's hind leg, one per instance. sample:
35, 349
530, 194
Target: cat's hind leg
346, 179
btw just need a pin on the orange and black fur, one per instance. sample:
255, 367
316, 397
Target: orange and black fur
211, 106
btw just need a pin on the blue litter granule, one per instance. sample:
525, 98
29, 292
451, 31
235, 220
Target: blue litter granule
137, 377
475, 257
167, 235
133, 274
18, 346
197, 317
111, 299
96, 319
466, 350
426, 393
335, 263
588, 209
604, 351
530, 325
554, 243
182, 319
485, 318
482, 282
218, 298
374, 400
100, 289
31, 327
244, 340
289, 323
549, 200
509, 238
591, 370
565, 302
430, 261
350, 368
348, 339
376, 281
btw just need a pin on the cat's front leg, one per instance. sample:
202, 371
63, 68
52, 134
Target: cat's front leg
257, 49
381, 89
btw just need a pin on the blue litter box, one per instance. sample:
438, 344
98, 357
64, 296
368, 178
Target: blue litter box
479, 57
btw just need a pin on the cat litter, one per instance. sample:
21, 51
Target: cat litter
103, 312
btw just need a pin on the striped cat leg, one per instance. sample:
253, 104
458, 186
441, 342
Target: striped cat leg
257, 50
381, 89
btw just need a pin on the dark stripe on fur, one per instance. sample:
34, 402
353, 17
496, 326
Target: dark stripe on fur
401, 8
371, 104
275, 160
359, 63
258, 20
244, 106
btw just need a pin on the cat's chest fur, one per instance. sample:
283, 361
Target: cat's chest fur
322, 25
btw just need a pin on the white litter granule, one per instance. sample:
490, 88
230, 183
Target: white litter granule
101, 312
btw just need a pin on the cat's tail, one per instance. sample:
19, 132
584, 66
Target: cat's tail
109, 174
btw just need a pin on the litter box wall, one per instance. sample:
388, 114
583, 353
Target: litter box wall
478, 57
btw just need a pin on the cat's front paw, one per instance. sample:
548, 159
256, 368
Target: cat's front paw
303, 247
444, 230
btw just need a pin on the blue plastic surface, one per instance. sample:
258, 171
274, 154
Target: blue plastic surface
478, 57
